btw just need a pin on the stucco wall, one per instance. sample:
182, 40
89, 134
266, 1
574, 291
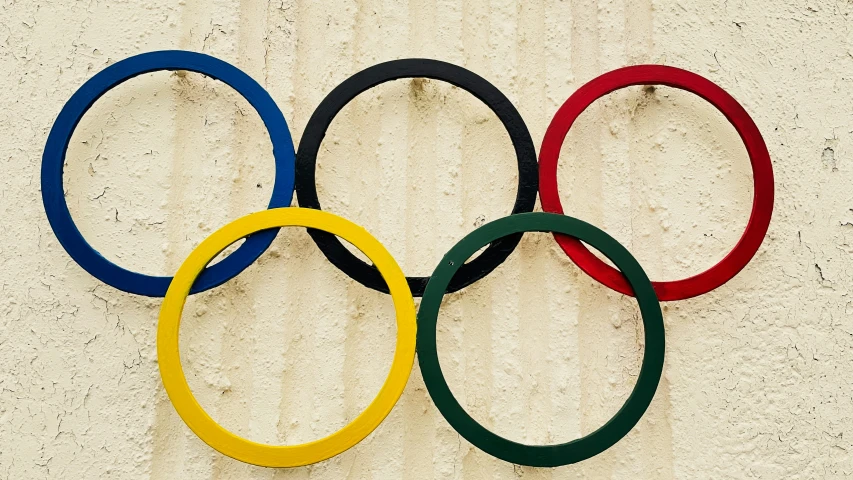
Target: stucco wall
756, 381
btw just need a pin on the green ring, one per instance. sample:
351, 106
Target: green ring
542, 455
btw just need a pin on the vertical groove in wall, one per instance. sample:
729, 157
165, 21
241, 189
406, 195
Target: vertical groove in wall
501, 68
420, 206
447, 205
562, 281
241, 325
537, 345
330, 51
594, 304
282, 292
639, 20
170, 441
342, 37
476, 397
267, 45
619, 373
656, 438
297, 389
364, 309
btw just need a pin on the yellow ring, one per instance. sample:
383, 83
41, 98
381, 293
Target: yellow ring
290, 455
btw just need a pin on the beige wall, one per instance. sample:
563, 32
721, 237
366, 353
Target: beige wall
756, 381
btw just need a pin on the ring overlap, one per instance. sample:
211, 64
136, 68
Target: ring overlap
454, 272
240, 448
541, 455
759, 157
53, 161
321, 119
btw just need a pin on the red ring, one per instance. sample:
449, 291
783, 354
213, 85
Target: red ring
762, 172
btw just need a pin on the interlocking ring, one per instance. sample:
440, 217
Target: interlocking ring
53, 161
453, 273
541, 455
175, 382
759, 157
315, 130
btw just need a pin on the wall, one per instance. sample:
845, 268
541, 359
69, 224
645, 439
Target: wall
755, 382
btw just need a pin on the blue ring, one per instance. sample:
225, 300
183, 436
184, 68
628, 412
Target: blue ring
60, 135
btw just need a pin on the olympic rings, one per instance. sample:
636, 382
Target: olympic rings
318, 124
762, 171
541, 455
385, 275
53, 161
296, 455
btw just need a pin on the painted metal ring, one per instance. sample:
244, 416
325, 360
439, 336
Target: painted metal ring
175, 382
542, 455
759, 157
318, 124
53, 162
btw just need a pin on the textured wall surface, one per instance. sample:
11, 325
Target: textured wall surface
756, 381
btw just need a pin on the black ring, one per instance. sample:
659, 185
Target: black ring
309, 145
